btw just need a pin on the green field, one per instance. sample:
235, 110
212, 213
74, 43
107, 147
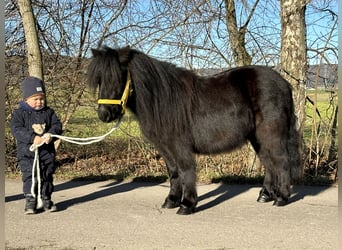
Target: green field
320, 115
85, 123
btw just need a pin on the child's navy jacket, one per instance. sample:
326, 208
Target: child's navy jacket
26, 123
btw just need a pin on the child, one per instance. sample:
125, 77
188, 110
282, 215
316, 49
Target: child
33, 123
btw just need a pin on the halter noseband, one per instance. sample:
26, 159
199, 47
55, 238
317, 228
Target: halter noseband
127, 92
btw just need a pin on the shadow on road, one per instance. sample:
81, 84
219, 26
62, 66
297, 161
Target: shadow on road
299, 192
108, 190
226, 192
14, 197
59, 187
223, 192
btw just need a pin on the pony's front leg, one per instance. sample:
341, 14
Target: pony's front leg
174, 197
181, 168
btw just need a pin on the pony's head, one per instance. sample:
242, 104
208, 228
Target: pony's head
108, 71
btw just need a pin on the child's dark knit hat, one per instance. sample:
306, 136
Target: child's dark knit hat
32, 86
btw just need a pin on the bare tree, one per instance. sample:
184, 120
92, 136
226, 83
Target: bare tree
237, 35
34, 57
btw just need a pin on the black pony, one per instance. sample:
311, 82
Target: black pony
182, 113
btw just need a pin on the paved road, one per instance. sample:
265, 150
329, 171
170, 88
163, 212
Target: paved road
121, 215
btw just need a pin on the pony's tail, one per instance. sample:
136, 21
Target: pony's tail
294, 147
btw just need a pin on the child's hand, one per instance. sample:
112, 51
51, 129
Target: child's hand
47, 137
38, 140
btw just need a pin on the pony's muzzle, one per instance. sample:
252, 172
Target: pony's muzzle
108, 113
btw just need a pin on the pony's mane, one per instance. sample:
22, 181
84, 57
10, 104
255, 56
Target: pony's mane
164, 92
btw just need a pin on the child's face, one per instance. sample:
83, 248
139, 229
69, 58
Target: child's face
36, 101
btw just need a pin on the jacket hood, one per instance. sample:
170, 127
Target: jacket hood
27, 107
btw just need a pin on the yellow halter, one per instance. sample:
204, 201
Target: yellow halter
127, 92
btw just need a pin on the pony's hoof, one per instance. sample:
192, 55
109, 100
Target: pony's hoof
183, 210
264, 196
170, 204
280, 202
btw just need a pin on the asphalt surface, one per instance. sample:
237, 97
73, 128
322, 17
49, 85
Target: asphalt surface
122, 215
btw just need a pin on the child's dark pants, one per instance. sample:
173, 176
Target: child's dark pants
46, 175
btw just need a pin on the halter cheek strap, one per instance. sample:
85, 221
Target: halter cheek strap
127, 92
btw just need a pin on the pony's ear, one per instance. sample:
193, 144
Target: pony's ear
96, 52
124, 55
103, 51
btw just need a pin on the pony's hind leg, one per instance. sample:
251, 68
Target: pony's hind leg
276, 186
274, 155
284, 185
264, 194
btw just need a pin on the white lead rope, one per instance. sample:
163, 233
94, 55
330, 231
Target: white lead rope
75, 140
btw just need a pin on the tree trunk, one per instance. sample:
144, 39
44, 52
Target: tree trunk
34, 57
293, 53
236, 35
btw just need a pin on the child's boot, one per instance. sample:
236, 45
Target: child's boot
48, 205
30, 205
